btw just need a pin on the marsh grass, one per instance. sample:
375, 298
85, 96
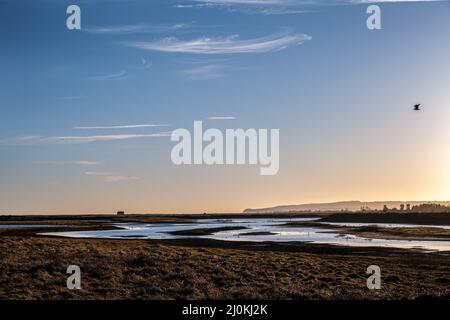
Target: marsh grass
34, 268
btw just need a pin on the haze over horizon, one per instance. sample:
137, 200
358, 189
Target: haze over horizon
350, 205
85, 116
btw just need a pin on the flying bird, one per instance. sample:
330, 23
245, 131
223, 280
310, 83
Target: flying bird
417, 107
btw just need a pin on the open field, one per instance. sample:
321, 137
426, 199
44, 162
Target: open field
34, 267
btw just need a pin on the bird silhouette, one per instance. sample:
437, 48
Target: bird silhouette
417, 107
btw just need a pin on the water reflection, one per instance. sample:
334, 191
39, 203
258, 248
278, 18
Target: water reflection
21, 226
258, 230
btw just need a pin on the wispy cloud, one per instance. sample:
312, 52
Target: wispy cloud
221, 118
245, 1
123, 74
251, 7
109, 177
111, 77
135, 28
120, 178
96, 173
145, 64
76, 162
227, 45
28, 138
128, 126
280, 11
24, 140
210, 71
86, 163
281, 7
299, 2
380, 1
97, 138
229, 3
36, 140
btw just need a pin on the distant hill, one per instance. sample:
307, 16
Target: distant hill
340, 206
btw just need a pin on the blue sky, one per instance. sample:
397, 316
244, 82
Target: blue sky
85, 114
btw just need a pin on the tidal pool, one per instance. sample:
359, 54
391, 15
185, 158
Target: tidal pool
266, 230
20, 226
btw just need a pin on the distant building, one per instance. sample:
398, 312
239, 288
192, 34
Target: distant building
120, 213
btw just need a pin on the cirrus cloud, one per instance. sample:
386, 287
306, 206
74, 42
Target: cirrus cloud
228, 45
78, 139
128, 126
135, 28
282, 7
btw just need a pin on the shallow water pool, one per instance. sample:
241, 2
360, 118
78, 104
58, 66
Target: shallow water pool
271, 229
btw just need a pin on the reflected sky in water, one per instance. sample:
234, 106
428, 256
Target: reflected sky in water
278, 233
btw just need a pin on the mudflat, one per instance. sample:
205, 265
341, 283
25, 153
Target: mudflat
33, 266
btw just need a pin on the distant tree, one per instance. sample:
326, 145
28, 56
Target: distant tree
431, 207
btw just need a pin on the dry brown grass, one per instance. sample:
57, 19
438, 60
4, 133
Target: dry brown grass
34, 268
